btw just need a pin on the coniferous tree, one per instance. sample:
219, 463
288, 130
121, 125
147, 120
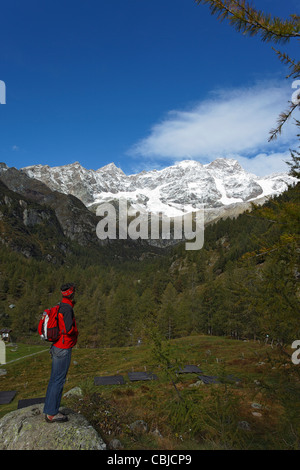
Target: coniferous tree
278, 296
120, 308
167, 313
248, 20
294, 164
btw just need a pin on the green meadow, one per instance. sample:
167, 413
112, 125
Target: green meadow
260, 411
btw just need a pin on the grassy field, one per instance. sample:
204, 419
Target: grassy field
259, 412
15, 352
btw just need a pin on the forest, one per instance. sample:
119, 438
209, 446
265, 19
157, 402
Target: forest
243, 284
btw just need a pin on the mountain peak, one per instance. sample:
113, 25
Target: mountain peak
75, 164
110, 167
187, 183
225, 163
3, 166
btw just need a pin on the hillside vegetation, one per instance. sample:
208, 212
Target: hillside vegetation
244, 283
232, 308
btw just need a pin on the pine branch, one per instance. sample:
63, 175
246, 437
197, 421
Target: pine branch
292, 64
294, 164
282, 119
248, 20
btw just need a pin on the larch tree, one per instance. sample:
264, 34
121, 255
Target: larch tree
248, 20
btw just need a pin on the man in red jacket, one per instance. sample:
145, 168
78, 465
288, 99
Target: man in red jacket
61, 352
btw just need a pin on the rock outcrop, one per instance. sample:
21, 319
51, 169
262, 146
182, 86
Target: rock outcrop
26, 429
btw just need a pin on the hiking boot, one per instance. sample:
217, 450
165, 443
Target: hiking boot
58, 418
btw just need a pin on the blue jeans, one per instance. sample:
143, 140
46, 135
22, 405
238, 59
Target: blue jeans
61, 359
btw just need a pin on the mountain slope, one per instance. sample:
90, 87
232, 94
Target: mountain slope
30, 228
23, 229
76, 221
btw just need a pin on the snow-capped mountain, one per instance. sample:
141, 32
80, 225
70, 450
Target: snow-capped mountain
187, 185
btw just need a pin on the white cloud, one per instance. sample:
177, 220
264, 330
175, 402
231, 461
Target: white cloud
265, 164
230, 123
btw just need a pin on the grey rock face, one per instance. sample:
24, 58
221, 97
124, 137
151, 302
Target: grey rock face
26, 429
74, 219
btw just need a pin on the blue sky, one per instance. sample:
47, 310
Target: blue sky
139, 83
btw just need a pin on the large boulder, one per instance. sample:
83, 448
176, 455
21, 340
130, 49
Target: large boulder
26, 429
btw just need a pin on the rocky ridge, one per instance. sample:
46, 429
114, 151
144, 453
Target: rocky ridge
188, 184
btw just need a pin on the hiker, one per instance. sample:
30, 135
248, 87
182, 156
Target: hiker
60, 352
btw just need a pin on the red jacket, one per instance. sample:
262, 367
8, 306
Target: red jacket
67, 325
